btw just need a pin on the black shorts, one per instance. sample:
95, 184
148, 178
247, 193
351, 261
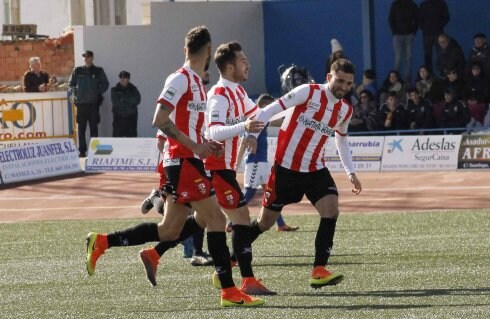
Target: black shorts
187, 180
228, 191
286, 187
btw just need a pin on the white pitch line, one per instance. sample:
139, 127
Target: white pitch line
62, 208
404, 189
58, 197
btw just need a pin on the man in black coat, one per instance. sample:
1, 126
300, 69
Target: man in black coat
125, 98
403, 20
433, 17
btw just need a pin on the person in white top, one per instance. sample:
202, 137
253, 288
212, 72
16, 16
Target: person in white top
316, 112
179, 115
229, 114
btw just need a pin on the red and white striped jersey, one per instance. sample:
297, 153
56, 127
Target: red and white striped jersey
316, 116
228, 104
185, 92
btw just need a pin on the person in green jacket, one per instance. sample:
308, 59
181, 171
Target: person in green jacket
87, 84
125, 98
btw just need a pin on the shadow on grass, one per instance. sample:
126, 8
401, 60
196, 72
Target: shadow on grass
404, 293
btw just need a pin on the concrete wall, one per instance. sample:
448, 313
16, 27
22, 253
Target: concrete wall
150, 53
51, 16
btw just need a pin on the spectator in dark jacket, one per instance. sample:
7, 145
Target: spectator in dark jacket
87, 84
433, 17
403, 20
395, 115
453, 81
449, 55
35, 80
125, 98
420, 111
477, 85
480, 53
455, 114
366, 115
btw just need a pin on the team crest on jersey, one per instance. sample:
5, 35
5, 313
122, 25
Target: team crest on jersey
196, 107
289, 96
214, 116
170, 93
313, 105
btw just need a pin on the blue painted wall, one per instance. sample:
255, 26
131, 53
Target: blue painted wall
299, 31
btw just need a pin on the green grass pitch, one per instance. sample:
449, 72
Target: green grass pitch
397, 265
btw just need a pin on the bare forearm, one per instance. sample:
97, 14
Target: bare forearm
162, 121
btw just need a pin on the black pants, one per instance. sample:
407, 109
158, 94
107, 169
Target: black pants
87, 113
429, 41
125, 126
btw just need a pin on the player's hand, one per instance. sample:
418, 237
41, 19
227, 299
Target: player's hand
218, 149
204, 150
357, 184
253, 126
251, 144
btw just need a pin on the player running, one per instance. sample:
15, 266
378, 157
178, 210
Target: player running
316, 112
229, 114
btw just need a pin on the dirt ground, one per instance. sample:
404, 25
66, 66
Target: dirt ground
119, 195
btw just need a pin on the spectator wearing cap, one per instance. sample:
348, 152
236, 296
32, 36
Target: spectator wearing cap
35, 80
337, 53
455, 114
87, 84
403, 21
125, 99
480, 53
449, 55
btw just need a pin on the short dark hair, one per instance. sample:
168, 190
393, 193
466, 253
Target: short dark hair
197, 38
124, 74
225, 54
412, 90
368, 93
265, 98
370, 74
392, 94
343, 65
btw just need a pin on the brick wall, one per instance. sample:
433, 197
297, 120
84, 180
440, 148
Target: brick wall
57, 57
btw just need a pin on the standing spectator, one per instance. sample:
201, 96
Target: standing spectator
395, 115
393, 83
477, 85
35, 80
433, 17
337, 53
403, 20
368, 83
88, 83
420, 111
449, 55
480, 52
454, 113
125, 99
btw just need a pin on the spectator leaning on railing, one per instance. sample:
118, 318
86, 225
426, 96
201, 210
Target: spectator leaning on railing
35, 80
